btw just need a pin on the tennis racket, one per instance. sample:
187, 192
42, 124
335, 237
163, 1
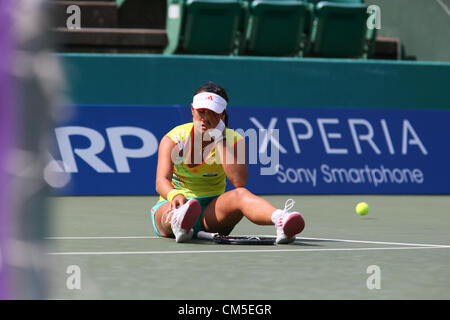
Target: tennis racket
221, 239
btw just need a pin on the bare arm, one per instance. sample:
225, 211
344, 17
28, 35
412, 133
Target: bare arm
164, 172
233, 159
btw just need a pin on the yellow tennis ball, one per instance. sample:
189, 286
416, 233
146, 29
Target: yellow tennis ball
362, 208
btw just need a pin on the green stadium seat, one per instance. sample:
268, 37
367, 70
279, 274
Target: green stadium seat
312, 3
339, 30
203, 26
309, 19
347, 1
337, 1
275, 28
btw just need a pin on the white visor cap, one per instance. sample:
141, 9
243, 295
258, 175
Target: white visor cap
211, 101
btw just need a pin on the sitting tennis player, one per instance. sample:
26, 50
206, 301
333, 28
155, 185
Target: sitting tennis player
194, 160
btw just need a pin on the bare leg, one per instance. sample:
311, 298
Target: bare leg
164, 227
224, 212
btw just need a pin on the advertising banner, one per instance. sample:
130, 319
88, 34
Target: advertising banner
112, 150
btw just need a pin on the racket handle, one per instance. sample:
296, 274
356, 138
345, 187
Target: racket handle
205, 235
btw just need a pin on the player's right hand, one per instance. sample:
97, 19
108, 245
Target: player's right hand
179, 200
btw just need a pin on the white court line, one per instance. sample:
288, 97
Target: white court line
444, 6
101, 238
297, 238
378, 242
237, 251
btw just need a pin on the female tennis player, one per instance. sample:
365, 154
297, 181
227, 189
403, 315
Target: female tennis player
194, 160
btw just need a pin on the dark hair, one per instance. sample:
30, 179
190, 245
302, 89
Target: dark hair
219, 90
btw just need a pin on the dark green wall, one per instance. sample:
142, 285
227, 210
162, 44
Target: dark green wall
157, 79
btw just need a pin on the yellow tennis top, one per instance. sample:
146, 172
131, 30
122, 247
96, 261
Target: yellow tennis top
205, 179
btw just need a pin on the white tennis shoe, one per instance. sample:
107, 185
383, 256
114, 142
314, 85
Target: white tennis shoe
183, 219
287, 224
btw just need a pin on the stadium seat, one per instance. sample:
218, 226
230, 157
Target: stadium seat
338, 1
310, 14
347, 1
203, 26
275, 28
339, 30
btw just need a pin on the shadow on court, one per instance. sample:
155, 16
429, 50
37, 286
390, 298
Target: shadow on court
302, 242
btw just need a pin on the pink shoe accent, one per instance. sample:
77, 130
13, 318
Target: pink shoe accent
192, 214
293, 225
